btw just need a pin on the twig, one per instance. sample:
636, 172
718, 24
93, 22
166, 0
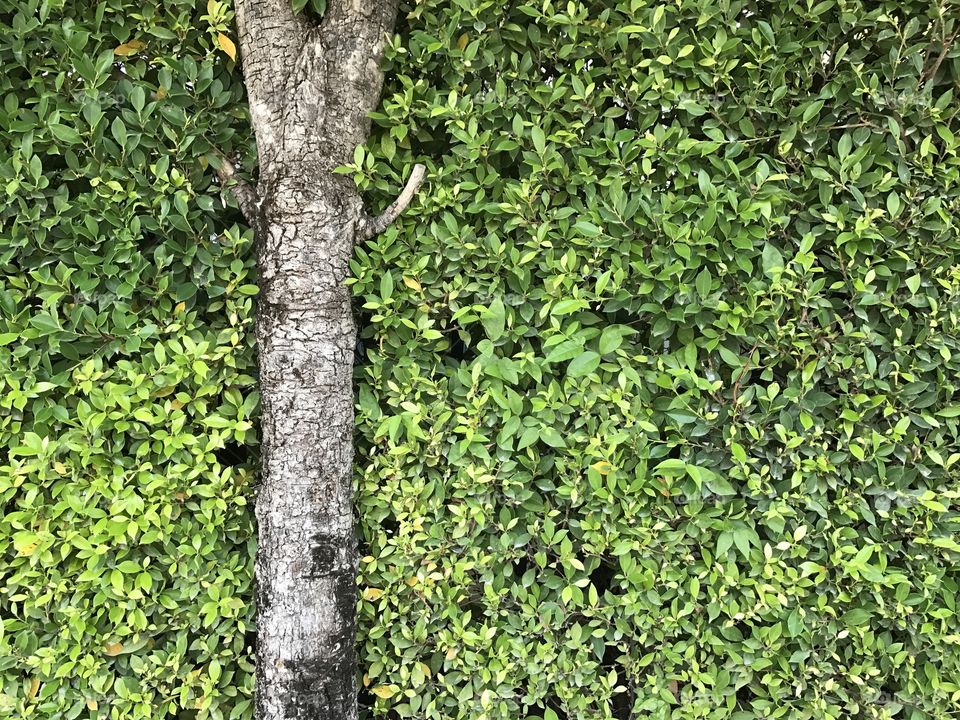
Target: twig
375, 226
244, 193
930, 73
743, 370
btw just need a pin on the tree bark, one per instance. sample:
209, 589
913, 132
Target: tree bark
311, 89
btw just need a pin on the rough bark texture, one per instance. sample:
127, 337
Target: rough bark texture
310, 91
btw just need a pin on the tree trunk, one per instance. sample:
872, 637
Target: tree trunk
310, 91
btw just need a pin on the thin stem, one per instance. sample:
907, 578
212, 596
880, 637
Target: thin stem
375, 226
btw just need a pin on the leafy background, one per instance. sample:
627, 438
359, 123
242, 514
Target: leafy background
126, 366
657, 383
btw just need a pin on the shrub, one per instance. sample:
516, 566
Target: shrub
659, 414
657, 411
126, 366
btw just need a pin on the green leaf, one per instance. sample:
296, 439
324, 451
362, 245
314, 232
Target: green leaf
552, 438
718, 485
772, 260
65, 134
671, 467
586, 228
812, 110
119, 132
583, 364
565, 307
610, 339
856, 616
704, 282
566, 350
45, 323
693, 108
386, 286
539, 142
893, 204
494, 319
185, 291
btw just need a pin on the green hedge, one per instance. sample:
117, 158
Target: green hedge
657, 407
126, 365
660, 408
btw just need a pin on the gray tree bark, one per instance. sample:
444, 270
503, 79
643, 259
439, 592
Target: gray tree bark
311, 89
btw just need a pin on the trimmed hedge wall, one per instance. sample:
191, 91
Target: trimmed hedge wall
660, 414
658, 410
126, 366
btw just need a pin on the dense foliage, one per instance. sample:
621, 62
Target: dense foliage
126, 365
660, 414
657, 398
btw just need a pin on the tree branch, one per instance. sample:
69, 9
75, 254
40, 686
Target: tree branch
931, 72
244, 193
375, 226
271, 38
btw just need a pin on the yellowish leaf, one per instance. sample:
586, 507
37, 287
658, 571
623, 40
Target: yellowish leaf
426, 669
372, 594
462, 41
366, 680
180, 307
27, 549
226, 44
32, 690
451, 653
112, 649
129, 48
412, 284
602, 467
385, 691
92, 704
60, 468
